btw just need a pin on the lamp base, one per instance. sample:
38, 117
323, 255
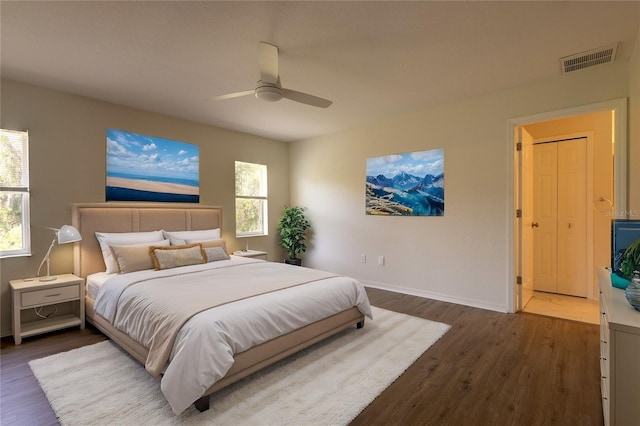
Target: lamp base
47, 278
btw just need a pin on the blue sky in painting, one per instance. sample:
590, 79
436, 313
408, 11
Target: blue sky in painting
149, 156
419, 163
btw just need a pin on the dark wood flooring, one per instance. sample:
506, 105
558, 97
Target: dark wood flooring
489, 369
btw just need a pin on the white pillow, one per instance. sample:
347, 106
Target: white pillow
180, 237
107, 239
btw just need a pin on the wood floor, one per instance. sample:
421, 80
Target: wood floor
489, 369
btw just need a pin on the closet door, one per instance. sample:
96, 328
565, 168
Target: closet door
572, 218
560, 217
545, 217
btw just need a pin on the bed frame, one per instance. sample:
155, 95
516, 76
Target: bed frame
89, 218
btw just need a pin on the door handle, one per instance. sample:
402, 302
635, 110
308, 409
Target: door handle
535, 225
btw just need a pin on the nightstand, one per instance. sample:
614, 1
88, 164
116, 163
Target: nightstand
251, 253
31, 293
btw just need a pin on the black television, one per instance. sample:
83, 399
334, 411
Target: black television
623, 233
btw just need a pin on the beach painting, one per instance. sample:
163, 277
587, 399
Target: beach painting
409, 184
148, 168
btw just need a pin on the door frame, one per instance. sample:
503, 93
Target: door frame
618, 107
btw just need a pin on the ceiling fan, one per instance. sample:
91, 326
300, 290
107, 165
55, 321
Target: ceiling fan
269, 88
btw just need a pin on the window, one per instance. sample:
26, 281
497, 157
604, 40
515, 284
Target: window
14, 194
251, 199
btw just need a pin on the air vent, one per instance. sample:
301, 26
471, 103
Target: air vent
590, 58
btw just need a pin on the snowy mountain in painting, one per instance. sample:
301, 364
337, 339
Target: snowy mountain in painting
405, 181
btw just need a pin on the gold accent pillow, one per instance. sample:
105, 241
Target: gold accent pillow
175, 256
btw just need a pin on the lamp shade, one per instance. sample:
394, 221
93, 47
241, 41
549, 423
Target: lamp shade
68, 234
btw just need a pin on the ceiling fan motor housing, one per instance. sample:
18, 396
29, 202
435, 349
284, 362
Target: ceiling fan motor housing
268, 92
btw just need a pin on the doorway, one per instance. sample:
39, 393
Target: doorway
600, 198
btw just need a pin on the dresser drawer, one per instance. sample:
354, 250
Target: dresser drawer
50, 295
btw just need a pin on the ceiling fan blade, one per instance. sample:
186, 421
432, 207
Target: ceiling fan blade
305, 98
232, 95
268, 63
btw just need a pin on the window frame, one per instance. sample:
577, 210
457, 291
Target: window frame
23, 189
263, 198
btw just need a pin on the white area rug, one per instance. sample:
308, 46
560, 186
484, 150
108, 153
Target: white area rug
327, 384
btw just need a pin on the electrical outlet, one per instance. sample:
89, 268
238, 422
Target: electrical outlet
363, 258
381, 260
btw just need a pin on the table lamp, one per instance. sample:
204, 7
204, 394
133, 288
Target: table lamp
64, 235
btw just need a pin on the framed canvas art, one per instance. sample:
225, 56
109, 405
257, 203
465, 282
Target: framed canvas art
148, 168
409, 184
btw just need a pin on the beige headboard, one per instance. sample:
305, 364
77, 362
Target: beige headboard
90, 218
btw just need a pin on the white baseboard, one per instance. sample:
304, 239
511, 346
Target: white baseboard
436, 296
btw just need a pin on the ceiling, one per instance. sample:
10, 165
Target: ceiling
372, 59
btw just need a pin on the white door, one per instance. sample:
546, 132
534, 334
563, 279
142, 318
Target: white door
572, 220
545, 221
560, 218
525, 231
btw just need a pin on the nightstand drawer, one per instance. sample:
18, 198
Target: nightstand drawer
50, 295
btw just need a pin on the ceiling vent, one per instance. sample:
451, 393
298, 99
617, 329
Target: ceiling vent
590, 58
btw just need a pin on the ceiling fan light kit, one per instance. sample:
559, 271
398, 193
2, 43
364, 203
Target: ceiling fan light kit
268, 93
269, 88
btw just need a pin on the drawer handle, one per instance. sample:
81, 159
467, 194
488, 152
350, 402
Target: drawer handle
54, 295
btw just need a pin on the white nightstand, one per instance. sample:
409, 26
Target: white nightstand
251, 253
32, 293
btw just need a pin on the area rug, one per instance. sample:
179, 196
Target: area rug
329, 383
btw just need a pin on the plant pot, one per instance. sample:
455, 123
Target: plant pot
297, 262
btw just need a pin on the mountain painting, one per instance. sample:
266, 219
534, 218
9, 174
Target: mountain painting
410, 184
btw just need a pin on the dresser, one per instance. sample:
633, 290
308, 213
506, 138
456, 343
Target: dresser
619, 355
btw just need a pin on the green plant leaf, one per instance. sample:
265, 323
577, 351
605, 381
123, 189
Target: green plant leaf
631, 259
292, 228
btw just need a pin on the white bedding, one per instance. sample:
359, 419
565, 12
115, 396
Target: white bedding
95, 281
204, 347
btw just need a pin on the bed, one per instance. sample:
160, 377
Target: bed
250, 352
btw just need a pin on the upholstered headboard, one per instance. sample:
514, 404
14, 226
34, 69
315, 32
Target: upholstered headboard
90, 218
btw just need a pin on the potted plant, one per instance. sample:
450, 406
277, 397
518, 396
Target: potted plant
631, 259
292, 229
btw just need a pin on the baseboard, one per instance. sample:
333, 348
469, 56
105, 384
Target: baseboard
436, 296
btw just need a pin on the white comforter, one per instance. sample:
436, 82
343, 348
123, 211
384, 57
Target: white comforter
204, 347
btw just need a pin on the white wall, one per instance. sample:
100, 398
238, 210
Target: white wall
463, 256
